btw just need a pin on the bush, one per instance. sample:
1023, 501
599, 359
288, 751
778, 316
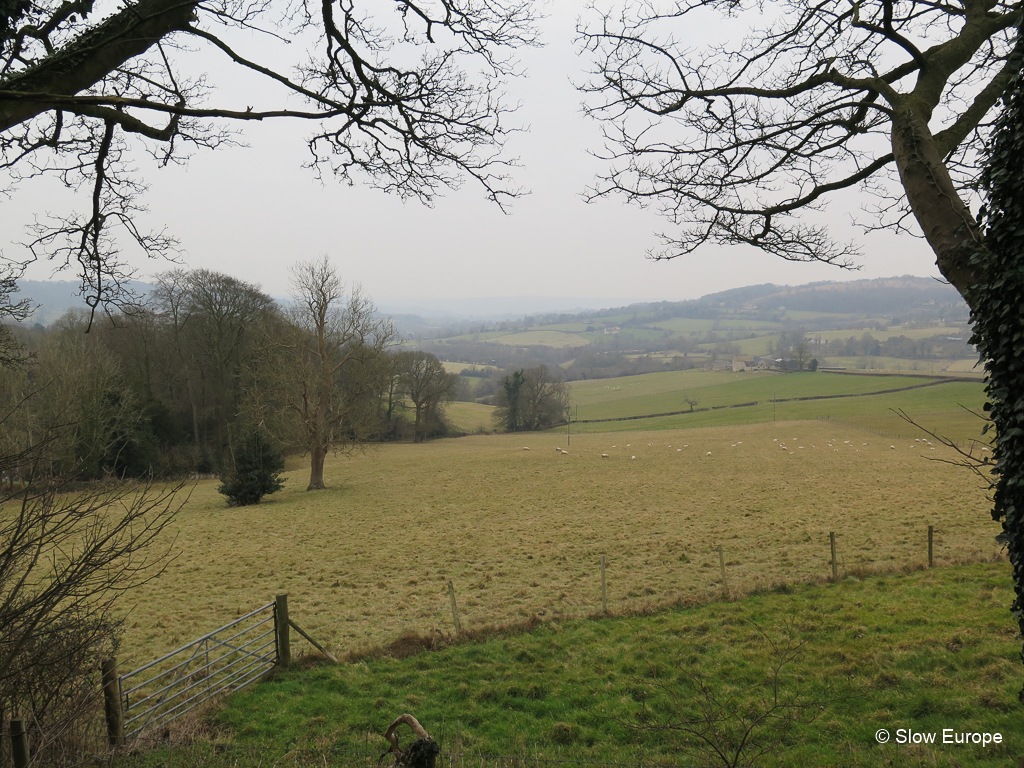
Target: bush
258, 466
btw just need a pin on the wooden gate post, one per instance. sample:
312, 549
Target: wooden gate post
112, 702
835, 565
284, 646
19, 742
931, 546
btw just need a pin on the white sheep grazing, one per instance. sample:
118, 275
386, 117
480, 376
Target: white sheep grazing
708, 453
604, 455
525, 448
558, 450
565, 453
632, 457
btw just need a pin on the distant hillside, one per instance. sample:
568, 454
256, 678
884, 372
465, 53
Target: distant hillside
909, 298
894, 296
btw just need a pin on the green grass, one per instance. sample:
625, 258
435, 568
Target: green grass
541, 338
684, 326
945, 399
893, 330
470, 417
521, 532
924, 651
617, 398
898, 364
597, 391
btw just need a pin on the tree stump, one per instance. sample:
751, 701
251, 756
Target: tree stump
420, 754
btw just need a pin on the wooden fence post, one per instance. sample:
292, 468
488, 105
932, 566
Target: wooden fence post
721, 564
19, 742
604, 588
284, 645
835, 565
931, 549
455, 608
112, 702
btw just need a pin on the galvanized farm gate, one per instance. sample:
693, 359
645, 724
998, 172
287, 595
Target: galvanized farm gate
226, 659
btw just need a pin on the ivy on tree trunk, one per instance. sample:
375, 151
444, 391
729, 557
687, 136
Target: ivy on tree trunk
997, 301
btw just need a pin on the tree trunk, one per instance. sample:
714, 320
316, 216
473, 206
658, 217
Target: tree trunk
93, 55
417, 436
316, 468
945, 220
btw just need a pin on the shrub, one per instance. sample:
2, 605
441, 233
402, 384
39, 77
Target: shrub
258, 466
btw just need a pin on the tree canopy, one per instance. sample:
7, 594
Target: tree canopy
387, 92
735, 141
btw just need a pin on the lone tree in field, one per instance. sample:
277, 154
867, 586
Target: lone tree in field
734, 142
423, 379
81, 94
327, 373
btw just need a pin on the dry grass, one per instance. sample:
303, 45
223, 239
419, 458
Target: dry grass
521, 533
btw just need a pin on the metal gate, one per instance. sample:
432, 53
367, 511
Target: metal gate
224, 660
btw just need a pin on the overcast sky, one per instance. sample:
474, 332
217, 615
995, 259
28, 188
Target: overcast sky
253, 211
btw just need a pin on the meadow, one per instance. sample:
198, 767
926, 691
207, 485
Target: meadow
521, 533
922, 651
847, 398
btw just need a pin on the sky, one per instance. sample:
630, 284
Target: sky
254, 211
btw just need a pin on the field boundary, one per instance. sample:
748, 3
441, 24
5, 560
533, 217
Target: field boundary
932, 383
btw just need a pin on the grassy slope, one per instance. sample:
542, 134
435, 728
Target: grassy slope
521, 532
544, 338
926, 651
470, 417
661, 393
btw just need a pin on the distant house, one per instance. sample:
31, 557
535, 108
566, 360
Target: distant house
743, 363
611, 329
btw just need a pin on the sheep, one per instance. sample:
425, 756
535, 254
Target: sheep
526, 448
604, 455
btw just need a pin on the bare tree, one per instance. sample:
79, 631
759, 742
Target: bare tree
330, 385
78, 94
64, 561
531, 399
735, 141
427, 384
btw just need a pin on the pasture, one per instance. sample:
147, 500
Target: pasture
927, 651
470, 417
521, 532
847, 397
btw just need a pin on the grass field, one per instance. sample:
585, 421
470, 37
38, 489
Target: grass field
521, 532
460, 367
665, 393
897, 364
893, 330
557, 339
924, 651
684, 326
470, 417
